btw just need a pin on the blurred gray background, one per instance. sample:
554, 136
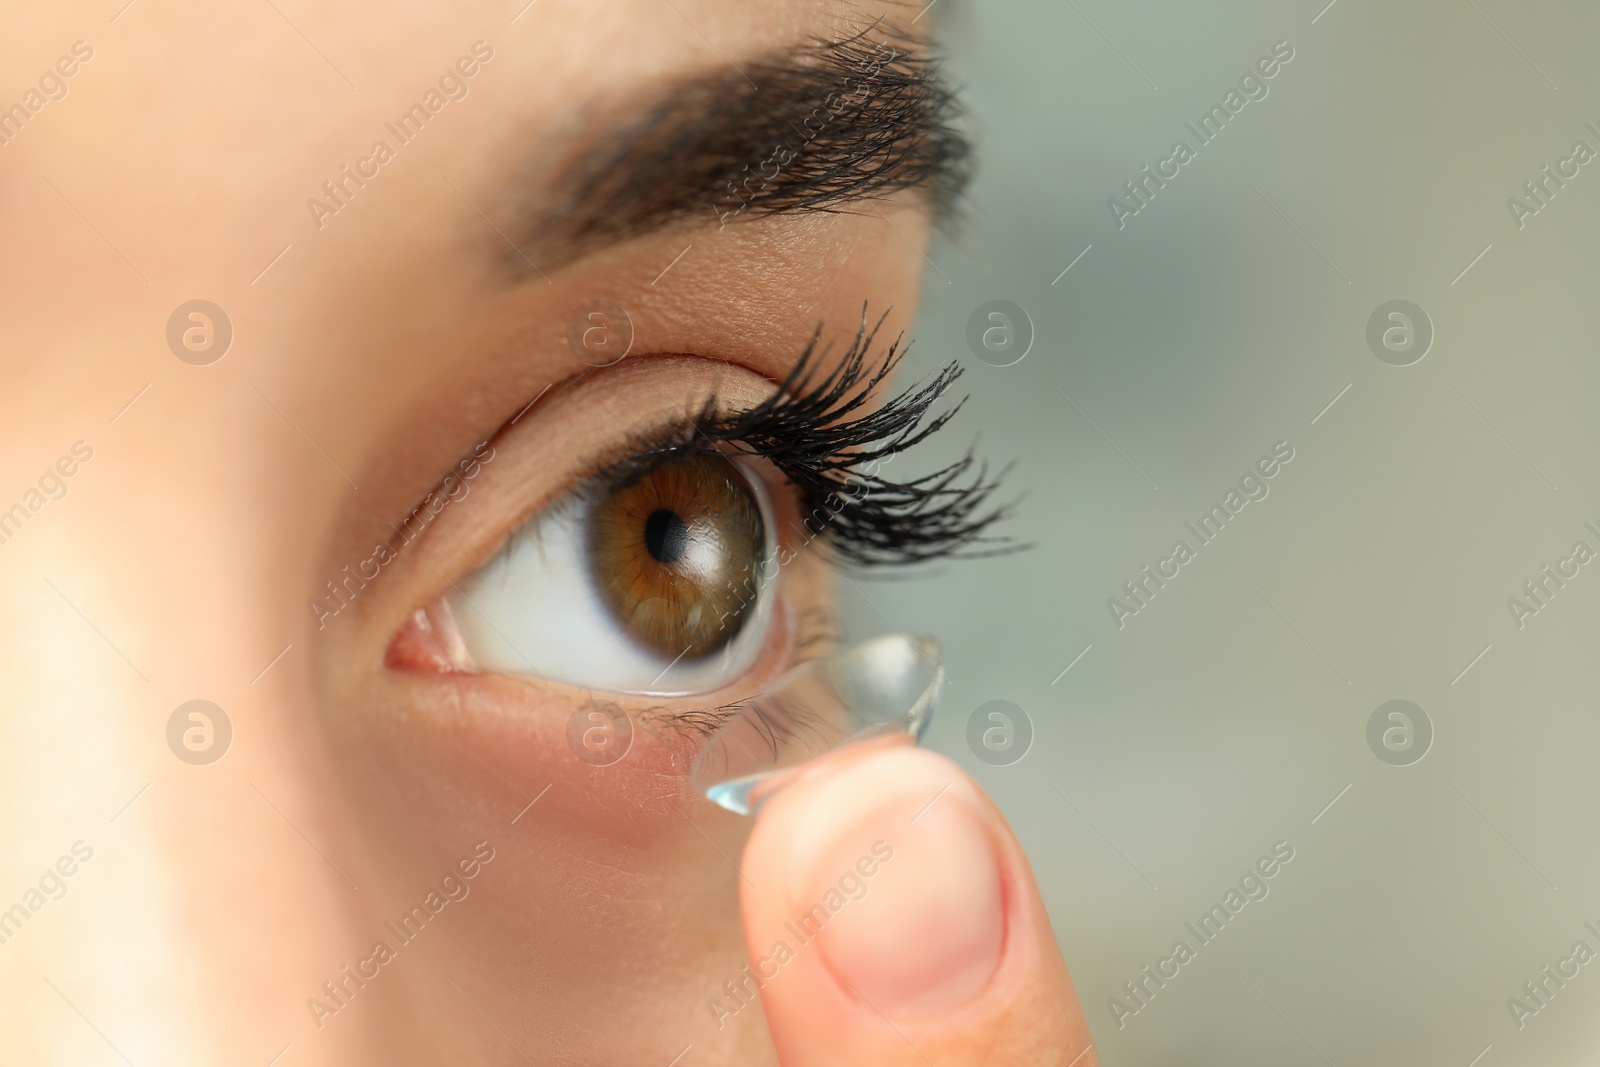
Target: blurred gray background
1232, 710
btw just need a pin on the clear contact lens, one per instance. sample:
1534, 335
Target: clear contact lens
884, 689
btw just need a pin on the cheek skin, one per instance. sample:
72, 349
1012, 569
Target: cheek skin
611, 912
606, 918
614, 894
602, 897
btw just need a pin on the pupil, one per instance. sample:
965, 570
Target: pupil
676, 555
666, 535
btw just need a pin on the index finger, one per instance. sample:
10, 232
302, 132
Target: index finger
892, 919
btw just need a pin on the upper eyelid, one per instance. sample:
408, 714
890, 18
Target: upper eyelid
639, 452
472, 456
636, 456
560, 409
817, 423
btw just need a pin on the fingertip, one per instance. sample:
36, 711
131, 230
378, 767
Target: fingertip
904, 909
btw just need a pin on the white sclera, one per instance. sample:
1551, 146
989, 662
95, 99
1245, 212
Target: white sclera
885, 687
535, 609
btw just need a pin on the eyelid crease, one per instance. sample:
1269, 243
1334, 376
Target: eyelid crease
639, 454
459, 476
825, 433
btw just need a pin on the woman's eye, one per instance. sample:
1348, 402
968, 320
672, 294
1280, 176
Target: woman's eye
657, 582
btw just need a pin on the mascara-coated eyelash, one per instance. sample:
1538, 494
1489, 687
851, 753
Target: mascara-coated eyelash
824, 432
656, 574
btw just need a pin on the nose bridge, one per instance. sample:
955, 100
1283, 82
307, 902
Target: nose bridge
156, 524
157, 535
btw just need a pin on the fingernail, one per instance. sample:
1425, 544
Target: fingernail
899, 885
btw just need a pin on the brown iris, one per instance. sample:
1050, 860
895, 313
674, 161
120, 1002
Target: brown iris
676, 554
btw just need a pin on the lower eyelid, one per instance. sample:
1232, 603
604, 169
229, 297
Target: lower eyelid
800, 632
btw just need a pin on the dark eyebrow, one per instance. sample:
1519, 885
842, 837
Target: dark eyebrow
817, 127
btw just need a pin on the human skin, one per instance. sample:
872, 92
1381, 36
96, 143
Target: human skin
370, 358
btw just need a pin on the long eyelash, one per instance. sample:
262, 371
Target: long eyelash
826, 435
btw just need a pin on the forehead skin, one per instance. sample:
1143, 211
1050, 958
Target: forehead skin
369, 352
